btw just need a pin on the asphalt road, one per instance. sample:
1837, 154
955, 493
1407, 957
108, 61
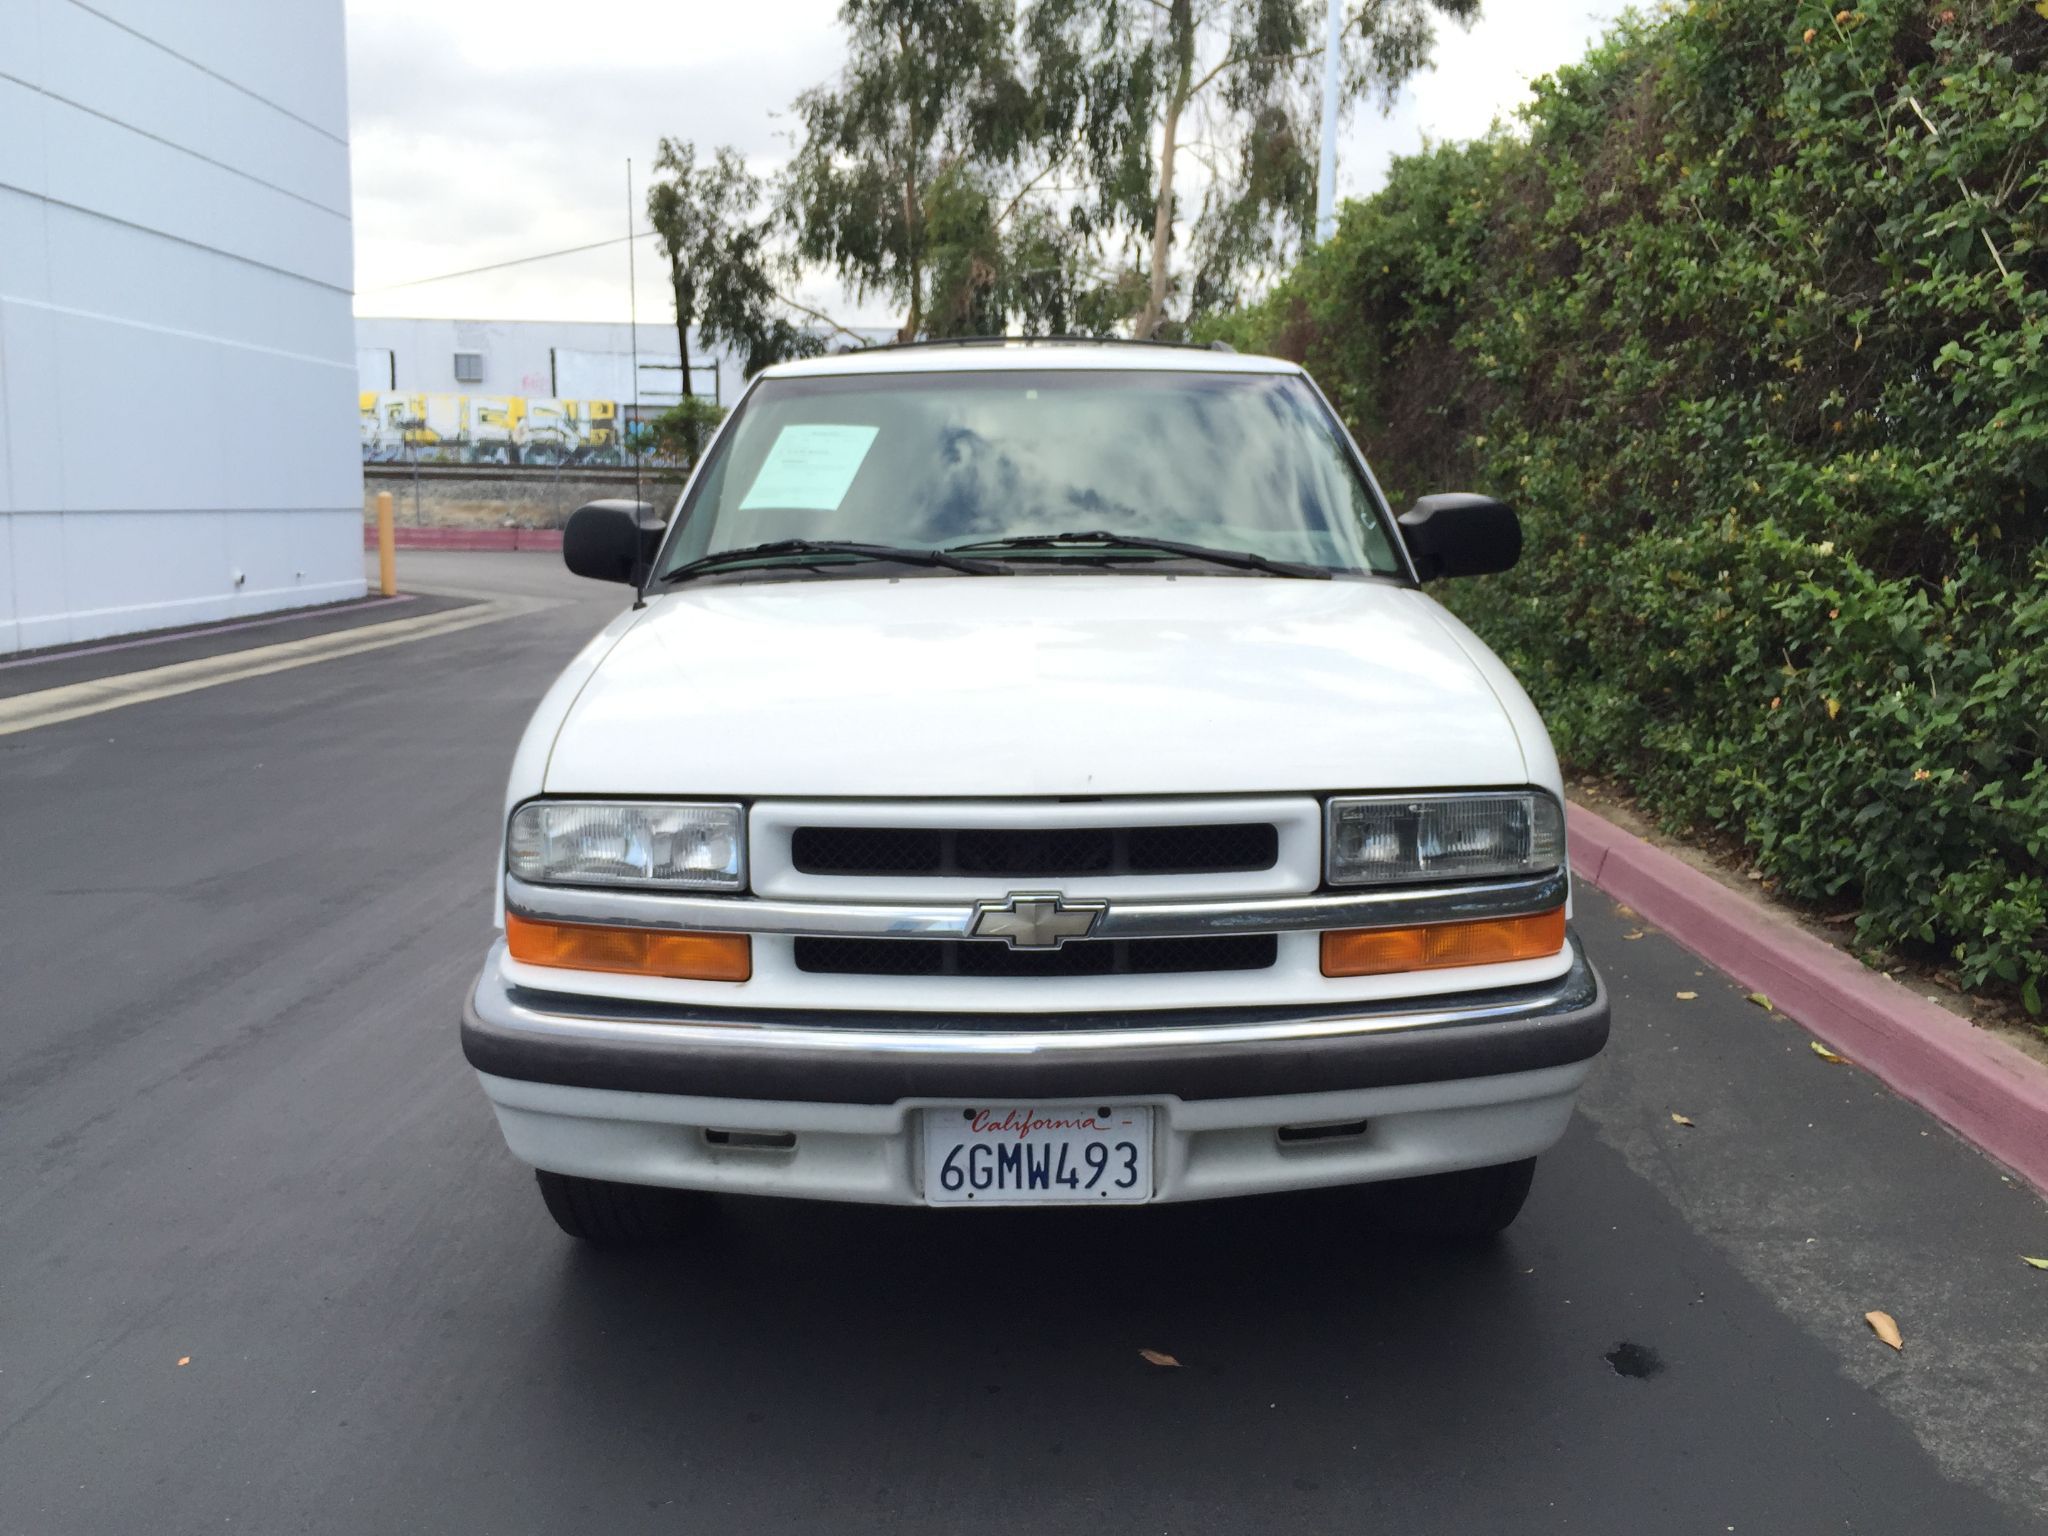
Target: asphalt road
236, 1129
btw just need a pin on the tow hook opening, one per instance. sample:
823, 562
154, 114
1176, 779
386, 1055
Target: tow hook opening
1309, 1135
751, 1141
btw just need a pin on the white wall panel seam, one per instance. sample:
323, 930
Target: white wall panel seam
107, 167
226, 80
198, 245
173, 144
96, 64
183, 149
340, 364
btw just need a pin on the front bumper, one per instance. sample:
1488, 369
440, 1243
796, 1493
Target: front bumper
613, 1090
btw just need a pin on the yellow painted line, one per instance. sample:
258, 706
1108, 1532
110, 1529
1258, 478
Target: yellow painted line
73, 701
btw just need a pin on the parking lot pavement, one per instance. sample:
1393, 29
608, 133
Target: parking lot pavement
123, 655
265, 1265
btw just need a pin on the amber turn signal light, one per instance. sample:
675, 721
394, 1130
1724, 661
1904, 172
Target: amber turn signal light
1433, 946
634, 951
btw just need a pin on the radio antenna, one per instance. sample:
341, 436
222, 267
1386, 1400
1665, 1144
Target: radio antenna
633, 324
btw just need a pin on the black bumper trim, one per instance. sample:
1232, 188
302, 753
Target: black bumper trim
1565, 1021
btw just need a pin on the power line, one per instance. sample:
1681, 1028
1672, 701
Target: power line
516, 261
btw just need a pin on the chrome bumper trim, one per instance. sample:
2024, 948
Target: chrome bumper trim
1124, 919
568, 1019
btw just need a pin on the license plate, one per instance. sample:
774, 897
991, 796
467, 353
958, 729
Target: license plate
1034, 1154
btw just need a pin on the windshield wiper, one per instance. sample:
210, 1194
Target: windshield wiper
1241, 559
804, 552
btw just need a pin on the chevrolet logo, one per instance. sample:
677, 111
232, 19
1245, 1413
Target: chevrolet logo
1035, 920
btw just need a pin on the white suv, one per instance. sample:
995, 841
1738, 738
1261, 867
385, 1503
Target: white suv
1030, 773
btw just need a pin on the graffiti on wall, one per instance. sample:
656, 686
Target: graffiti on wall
489, 429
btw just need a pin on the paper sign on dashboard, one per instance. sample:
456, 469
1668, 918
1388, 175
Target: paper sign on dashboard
810, 468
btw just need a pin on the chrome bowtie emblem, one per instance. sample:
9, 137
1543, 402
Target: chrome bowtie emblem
1035, 921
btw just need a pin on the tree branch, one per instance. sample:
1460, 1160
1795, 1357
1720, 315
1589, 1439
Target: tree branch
1968, 196
1024, 191
1233, 61
820, 315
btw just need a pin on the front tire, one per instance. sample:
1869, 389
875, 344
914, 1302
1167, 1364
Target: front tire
1469, 1206
616, 1215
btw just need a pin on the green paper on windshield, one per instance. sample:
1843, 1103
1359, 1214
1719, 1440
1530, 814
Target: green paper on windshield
810, 468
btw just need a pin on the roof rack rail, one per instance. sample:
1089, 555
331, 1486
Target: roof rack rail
1080, 341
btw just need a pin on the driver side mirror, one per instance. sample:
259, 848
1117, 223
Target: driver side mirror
1459, 534
611, 540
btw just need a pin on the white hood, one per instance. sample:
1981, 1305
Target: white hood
1045, 685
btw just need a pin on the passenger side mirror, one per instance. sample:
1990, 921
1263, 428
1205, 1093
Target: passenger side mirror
611, 540
1459, 534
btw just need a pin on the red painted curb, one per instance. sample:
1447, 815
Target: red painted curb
470, 538
1987, 1091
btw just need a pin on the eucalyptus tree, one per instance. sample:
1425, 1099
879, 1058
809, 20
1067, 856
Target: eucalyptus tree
983, 168
1233, 85
898, 160
964, 164
722, 263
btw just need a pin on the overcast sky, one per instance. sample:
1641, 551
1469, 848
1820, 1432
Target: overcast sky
483, 130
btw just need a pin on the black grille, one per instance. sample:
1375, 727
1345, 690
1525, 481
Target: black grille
1082, 957
1035, 853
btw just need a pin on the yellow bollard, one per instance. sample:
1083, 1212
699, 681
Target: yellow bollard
387, 548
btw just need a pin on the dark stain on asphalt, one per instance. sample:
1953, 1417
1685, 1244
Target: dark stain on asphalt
1638, 1362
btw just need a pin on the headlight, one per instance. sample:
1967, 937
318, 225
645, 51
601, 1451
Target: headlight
628, 842
1389, 839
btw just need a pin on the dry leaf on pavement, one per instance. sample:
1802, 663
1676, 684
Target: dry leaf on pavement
1678, 1119
2037, 1263
1633, 933
1154, 1357
1686, 997
1827, 1055
1885, 1328
184, 1359
1761, 1001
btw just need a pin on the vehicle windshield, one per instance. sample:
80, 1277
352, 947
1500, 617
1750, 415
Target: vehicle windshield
1243, 462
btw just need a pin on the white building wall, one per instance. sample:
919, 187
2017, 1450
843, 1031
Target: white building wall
565, 359
178, 438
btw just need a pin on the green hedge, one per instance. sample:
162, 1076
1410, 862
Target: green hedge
1751, 321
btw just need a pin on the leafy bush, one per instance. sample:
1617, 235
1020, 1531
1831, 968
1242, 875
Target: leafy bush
1751, 324
679, 433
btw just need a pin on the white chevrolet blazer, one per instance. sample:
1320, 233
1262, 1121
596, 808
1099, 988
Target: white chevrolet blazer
1033, 773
